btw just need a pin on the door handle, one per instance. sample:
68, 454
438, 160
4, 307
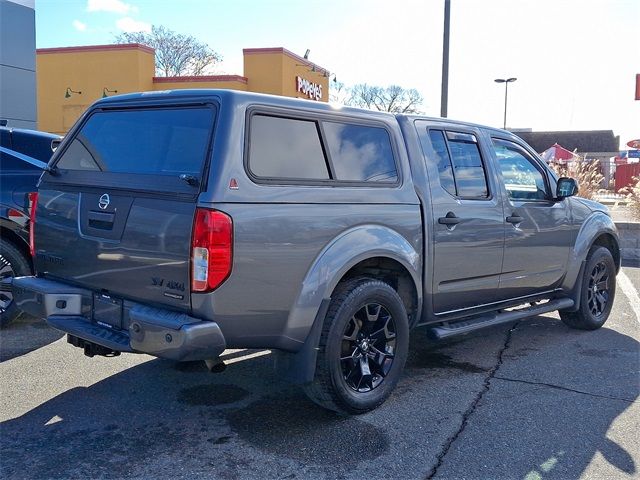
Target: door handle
450, 219
514, 219
104, 217
101, 220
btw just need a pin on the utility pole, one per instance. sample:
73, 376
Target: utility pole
444, 99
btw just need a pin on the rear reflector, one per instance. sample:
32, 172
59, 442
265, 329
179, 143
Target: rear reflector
14, 214
33, 203
211, 249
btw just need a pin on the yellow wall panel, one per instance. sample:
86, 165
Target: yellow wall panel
125, 68
232, 82
130, 68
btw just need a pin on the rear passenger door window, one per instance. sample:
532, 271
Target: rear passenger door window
460, 168
445, 169
468, 170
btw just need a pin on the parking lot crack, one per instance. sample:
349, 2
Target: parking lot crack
566, 389
486, 385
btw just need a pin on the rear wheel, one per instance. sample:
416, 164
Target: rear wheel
363, 347
598, 292
12, 264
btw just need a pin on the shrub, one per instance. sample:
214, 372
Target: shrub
587, 174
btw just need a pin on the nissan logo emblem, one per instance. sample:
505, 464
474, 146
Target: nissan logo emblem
103, 203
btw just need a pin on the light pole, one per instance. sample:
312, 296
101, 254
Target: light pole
444, 92
506, 82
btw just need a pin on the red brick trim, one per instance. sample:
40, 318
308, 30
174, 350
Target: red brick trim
96, 48
202, 78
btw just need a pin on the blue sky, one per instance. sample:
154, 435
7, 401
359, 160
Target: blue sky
575, 60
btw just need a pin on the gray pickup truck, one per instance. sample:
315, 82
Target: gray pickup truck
182, 223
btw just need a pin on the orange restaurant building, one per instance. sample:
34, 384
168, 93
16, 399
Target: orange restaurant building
71, 78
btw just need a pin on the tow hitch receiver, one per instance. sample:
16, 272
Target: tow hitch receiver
91, 349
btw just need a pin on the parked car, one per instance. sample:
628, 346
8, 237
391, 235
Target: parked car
182, 223
23, 155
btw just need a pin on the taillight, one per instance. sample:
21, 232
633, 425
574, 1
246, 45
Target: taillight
211, 249
33, 203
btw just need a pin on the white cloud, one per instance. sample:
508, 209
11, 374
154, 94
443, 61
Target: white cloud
113, 6
128, 24
78, 25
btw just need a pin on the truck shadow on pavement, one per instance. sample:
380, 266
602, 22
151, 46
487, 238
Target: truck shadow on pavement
162, 419
25, 335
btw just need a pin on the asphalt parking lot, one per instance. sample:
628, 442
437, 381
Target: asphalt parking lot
529, 400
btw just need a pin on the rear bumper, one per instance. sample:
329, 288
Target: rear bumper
155, 331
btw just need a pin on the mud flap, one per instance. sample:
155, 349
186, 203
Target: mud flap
300, 367
576, 293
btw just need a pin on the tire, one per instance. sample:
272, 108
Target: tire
12, 264
363, 347
597, 293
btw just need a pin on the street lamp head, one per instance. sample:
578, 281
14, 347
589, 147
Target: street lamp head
505, 80
512, 79
499, 80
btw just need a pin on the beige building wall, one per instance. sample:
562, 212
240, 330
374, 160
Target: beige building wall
276, 71
100, 70
232, 82
125, 68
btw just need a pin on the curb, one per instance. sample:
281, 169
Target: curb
629, 233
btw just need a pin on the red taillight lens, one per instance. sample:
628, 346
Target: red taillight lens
33, 203
211, 249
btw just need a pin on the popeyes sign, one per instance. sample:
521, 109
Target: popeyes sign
311, 90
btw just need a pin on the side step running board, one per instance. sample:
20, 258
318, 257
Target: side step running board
449, 329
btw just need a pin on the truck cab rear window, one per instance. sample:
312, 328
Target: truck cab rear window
169, 141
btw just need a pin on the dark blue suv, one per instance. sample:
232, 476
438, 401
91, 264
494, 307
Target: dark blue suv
23, 155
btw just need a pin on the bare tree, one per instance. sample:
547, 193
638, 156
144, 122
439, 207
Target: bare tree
338, 92
393, 98
363, 96
176, 54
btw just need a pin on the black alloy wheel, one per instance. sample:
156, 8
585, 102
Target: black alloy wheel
368, 346
362, 349
13, 263
598, 289
6, 295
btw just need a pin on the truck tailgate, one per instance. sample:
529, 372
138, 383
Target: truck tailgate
115, 213
137, 247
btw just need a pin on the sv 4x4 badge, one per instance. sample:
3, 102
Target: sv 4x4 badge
171, 285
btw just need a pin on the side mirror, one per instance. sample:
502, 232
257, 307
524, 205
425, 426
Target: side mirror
55, 143
567, 187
